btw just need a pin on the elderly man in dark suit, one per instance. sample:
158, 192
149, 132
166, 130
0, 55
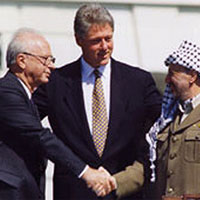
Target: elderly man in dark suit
24, 143
98, 106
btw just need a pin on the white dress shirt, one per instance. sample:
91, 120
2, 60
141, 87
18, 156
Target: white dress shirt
26, 89
88, 81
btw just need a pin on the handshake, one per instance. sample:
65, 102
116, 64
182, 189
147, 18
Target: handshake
99, 180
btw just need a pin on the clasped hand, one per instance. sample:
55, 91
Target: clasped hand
100, 181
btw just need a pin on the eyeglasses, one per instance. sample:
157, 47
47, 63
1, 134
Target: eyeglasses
47, 60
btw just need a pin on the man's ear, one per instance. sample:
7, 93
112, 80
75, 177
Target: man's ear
21, 61
79, 41
194, 76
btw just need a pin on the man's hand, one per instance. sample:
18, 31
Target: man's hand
101, 182
93, 177
104, 189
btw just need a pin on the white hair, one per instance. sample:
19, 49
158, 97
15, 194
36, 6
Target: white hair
19, 44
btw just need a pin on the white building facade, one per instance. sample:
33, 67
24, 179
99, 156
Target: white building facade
146, 31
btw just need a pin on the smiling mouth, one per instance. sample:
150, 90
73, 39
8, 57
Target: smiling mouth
103, 54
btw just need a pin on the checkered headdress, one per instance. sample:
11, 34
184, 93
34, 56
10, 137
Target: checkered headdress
187, 55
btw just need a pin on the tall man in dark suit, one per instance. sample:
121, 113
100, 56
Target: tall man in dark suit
97, 105
24, 143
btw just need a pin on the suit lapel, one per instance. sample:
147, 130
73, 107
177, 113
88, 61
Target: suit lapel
18, 86
15, 83
74, 97
116, 105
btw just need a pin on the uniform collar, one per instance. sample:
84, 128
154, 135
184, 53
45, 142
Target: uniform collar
188, 105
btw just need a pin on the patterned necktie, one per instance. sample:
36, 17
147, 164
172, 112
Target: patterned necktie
99, 115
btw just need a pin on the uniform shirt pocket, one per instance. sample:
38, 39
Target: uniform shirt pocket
192, 146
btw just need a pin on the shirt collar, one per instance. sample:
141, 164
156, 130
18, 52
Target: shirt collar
188, 105
25, 88
196, 101
87, 69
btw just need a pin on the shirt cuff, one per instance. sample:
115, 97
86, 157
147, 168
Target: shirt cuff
84, 170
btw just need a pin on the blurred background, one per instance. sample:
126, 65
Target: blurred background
146, 32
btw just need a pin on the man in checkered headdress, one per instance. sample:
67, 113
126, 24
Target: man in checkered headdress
175, 137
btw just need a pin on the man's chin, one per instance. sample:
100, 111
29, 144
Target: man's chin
46, 80
104, 62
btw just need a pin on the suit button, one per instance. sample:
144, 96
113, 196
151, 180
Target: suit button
172, 156
174, 139
170, 190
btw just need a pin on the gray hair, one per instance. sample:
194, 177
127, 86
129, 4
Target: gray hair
19, 44
89, 14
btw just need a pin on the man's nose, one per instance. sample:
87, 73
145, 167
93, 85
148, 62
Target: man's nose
104, 44
51, 66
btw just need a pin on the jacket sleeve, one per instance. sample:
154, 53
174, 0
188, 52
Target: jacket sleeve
130, 180
133, 177
18, 121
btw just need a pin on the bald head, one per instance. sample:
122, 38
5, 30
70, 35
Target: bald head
24, 40
29, 57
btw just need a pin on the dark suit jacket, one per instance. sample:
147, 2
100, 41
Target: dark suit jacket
134, 99
16, 182
22, 132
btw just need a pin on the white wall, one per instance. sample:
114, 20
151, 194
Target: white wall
144, 34
145, 31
